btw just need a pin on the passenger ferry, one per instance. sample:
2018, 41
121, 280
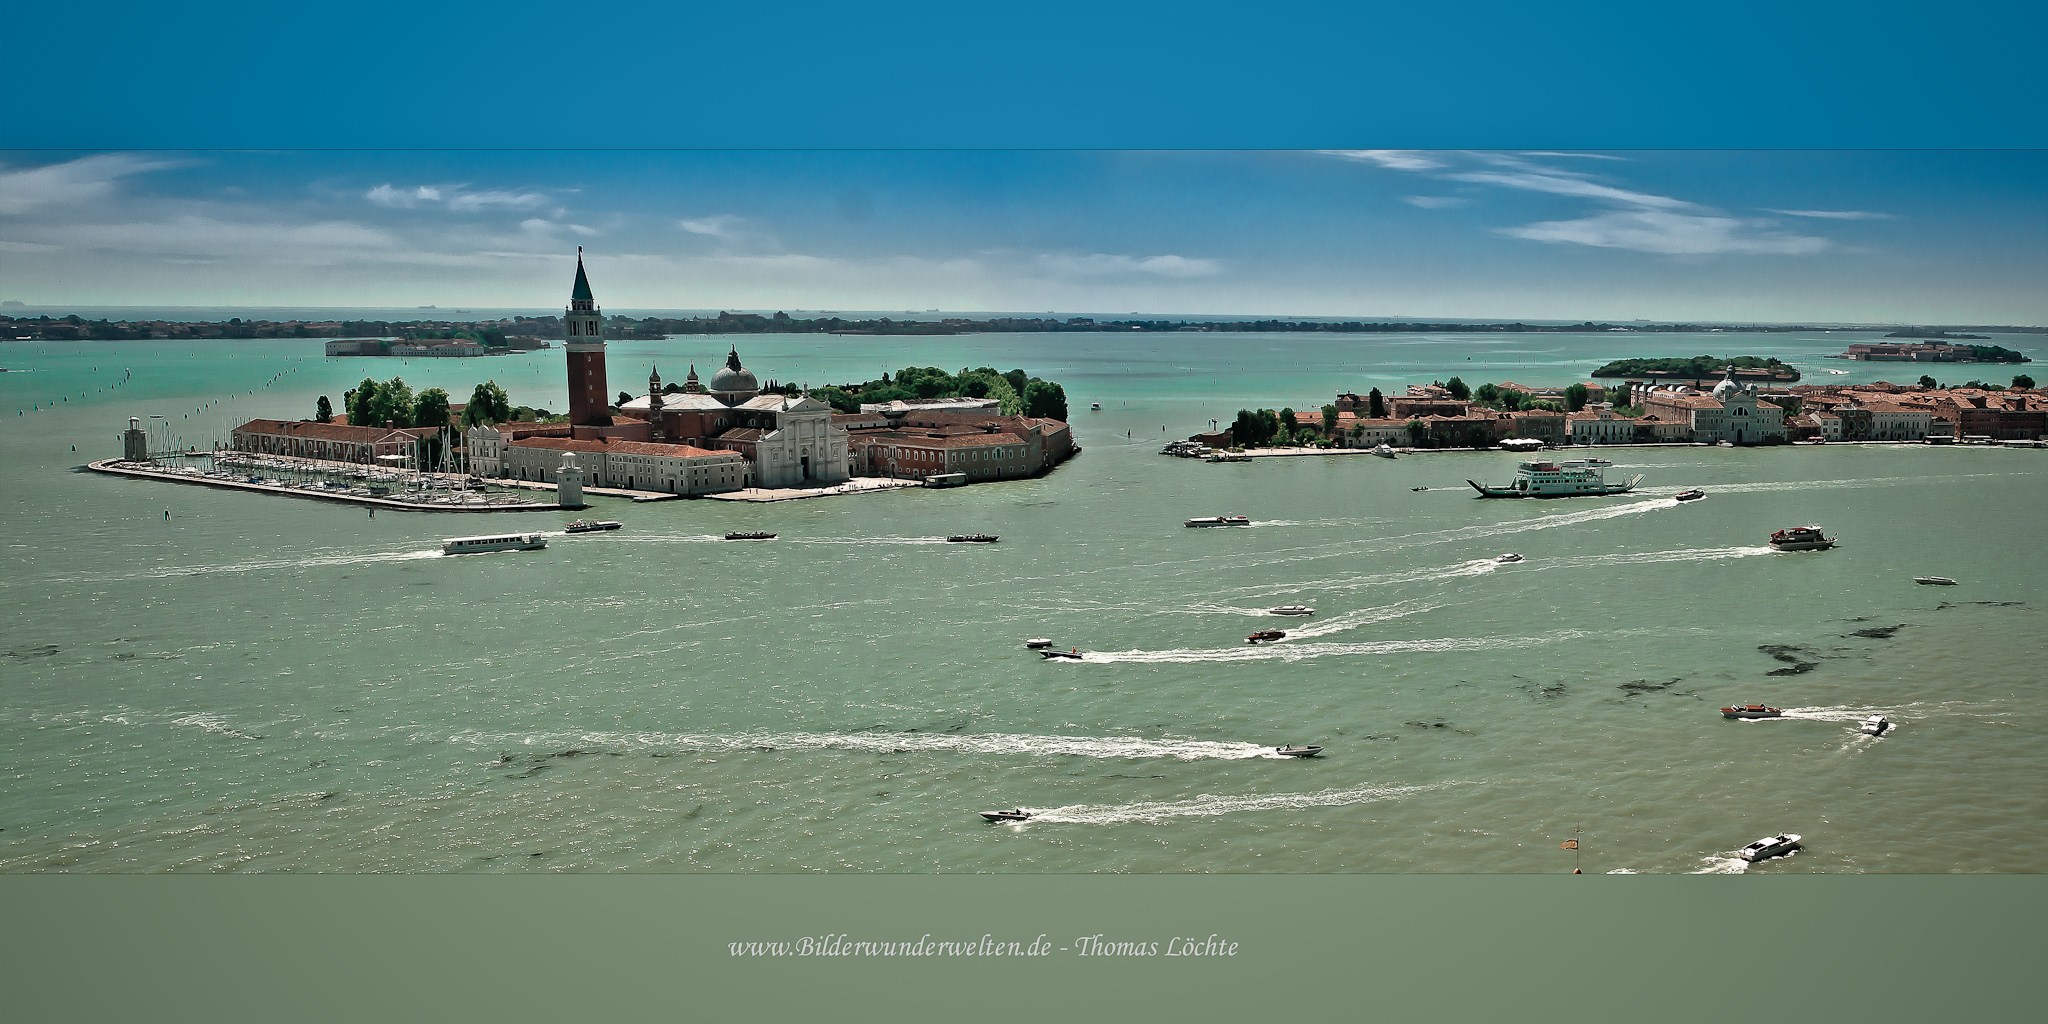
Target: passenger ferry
507, 542
1558, 480
1801, 538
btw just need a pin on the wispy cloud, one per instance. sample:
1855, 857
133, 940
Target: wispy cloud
403, 199
1565, 183
85, 180
718, 226
1434, 202
1393, 159
1577, 156
1674, 234
1099, 264
1836, 214
469, 202
454, 197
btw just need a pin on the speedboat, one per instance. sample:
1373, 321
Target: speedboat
1508, 558
1038, 643
1292, 609
755, 535
1219, 521
1385, 452
1776, 846
1692, 495
971, 538
1800, 538
1297, 751
1095, 406
1934, 581
1265, 635
1875, 725
1073, 655
590, 526
1751, 711
1418, 488
1725, 444
1015, 814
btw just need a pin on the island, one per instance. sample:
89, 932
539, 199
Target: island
1700, 368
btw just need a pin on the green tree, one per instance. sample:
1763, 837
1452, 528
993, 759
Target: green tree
1510, 399
1245, 429
1017, 380
487, 404
1377, 404
430, 409
1487, 394
1575, 397
1418, 432
1045, 398
323, 411
2023, 381
1269, 426
360, 402
1287, 419
1330, 420
392, 404
1926, 381
1457, 389
624, 397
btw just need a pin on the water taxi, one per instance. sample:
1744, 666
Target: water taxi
591, 526
752, 535
1072, 655
1751, 711
1692, 495
1038, 643
1875, 725
1297, 751
1385, 452
1219, 521
1934, 581
1014, 814
946, 480
1800, 538
1508, 558
972, 538
1558, 480
1776, 846
1266, 636
503, 542
1292, 609
1095, 407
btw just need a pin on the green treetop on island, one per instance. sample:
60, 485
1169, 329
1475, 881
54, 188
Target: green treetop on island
1698, 367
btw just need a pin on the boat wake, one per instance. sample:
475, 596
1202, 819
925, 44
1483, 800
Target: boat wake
1475, 567
1209, 806
1721, 865
1361, 617
1303, 652
265, 565
876, 742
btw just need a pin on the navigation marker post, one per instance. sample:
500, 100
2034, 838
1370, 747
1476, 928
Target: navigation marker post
1573, 846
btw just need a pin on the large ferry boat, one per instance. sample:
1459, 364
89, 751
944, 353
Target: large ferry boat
1558, 480
1801, 538
506, 542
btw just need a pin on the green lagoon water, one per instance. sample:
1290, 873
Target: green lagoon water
273, 684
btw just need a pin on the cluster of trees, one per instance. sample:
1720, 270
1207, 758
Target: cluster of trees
1016, 392
1510, 400
2020, 380
375, 402
1698, 367
1265, 428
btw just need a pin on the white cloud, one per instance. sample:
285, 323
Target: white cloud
1104, 263
1564, 183
1836, 214
1395, 159
719, 226
403, 199
85, 180
1582, 156
1675, 234
470, 202
1434, 202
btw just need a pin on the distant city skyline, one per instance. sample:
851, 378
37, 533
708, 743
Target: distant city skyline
1864, 237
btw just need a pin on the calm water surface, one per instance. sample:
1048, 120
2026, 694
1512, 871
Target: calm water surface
281, 685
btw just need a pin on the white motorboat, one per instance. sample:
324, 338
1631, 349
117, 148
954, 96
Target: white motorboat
1385, 452
1934, 581
1014, 814
1764, 849
1546, 479
1875, 725
1692, 495
1072, 655
1508, 558
1038, 643
1292, 609
1297, 751
502, 542
1219, 521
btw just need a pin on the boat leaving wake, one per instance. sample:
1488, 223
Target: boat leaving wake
316, 562
1209, 806
876, 742
1302, 652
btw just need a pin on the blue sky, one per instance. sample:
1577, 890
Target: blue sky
1871, 236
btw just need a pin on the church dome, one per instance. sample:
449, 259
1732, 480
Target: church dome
1727, 387
732, 378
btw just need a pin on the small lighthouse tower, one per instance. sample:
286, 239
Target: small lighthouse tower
569, 482
584, 324
134, 442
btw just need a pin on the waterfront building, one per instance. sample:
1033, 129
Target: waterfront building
1600, 426
583, 325
1547, 427
981, 446
633, 465
1731, 413
790, 441
306, 439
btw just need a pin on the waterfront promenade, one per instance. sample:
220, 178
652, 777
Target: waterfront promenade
193, 475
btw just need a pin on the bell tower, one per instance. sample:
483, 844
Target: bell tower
584, 327
658, 432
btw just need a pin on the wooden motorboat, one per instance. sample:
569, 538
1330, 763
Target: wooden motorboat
1266, 635
1776, 846
1038, 643
971, 538
1219, 521
1692, 495
755, 535
1934, 581
1072, 655
1508, 558
1292, 609
1297, 751
591, 526
1751, 711
1875, 725
1014, 814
